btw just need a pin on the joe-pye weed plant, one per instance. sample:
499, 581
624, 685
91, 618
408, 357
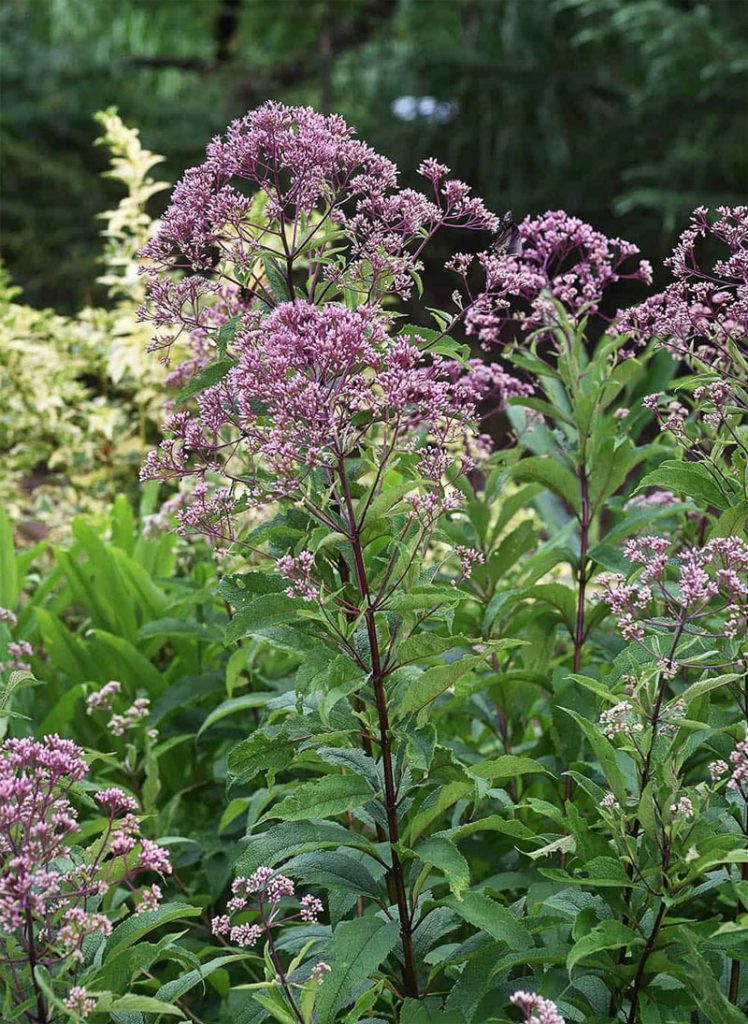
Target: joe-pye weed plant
397, 579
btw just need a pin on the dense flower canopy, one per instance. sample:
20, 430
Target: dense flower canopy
307, 384
277, 255
293, 185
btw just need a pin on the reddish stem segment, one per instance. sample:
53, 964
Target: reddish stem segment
395, 872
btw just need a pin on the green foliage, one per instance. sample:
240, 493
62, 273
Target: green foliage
83, 399
492, 787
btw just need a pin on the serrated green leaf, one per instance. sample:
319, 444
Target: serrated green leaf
356, 951
444, 855
135, 927
689, 478
207, 378
267, 751
323, 798
489, 916
604, 936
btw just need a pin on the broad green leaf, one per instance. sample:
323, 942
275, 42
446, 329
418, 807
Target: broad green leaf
263, 611
553, 475
605, 753
705, 685
132, 1002
733, 522
211, 375
135, 927
226, 334
176, 989
176, 628
559, 597
323, 798
354, 760
437, 680
690, 478
333, 870
233, 706
606, 935
356, 951
289, 839
493, 823
443, 798
701, 982
489, 916
506, 766
444, 855
424, 598
267, 751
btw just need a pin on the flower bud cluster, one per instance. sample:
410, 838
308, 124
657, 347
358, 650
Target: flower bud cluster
561, 259
262, 892
704, 312
119, 723
536, 1009
694, 591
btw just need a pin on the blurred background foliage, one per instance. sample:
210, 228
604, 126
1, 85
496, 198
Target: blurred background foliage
628, 114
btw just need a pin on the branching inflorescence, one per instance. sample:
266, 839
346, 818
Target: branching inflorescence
54, 892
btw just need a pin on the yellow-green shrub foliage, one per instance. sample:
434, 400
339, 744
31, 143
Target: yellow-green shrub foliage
80, 398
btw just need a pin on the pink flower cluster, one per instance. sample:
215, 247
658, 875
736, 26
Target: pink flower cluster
298, 571
19, 651
705, 310
682, 591
49, 902
309, 383
738, 780
119, 723
536, 1009
563, 260
79, 1002
8, 617
283, 183
262, 892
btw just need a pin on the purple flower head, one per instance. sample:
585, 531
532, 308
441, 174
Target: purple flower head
562, 260
46, 897
284, 183
116, 801
694, 592
263, 891
308, 384
319, 971
8, 617
738, 780
705, 310
79, 1002
536, 1009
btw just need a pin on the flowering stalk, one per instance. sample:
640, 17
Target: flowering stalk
263, 893
52, 898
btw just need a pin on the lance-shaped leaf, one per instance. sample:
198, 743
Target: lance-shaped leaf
442, 854
489, 916
437, 680
357, 949
323, 798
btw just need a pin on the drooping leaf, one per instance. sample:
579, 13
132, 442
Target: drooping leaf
442, 853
